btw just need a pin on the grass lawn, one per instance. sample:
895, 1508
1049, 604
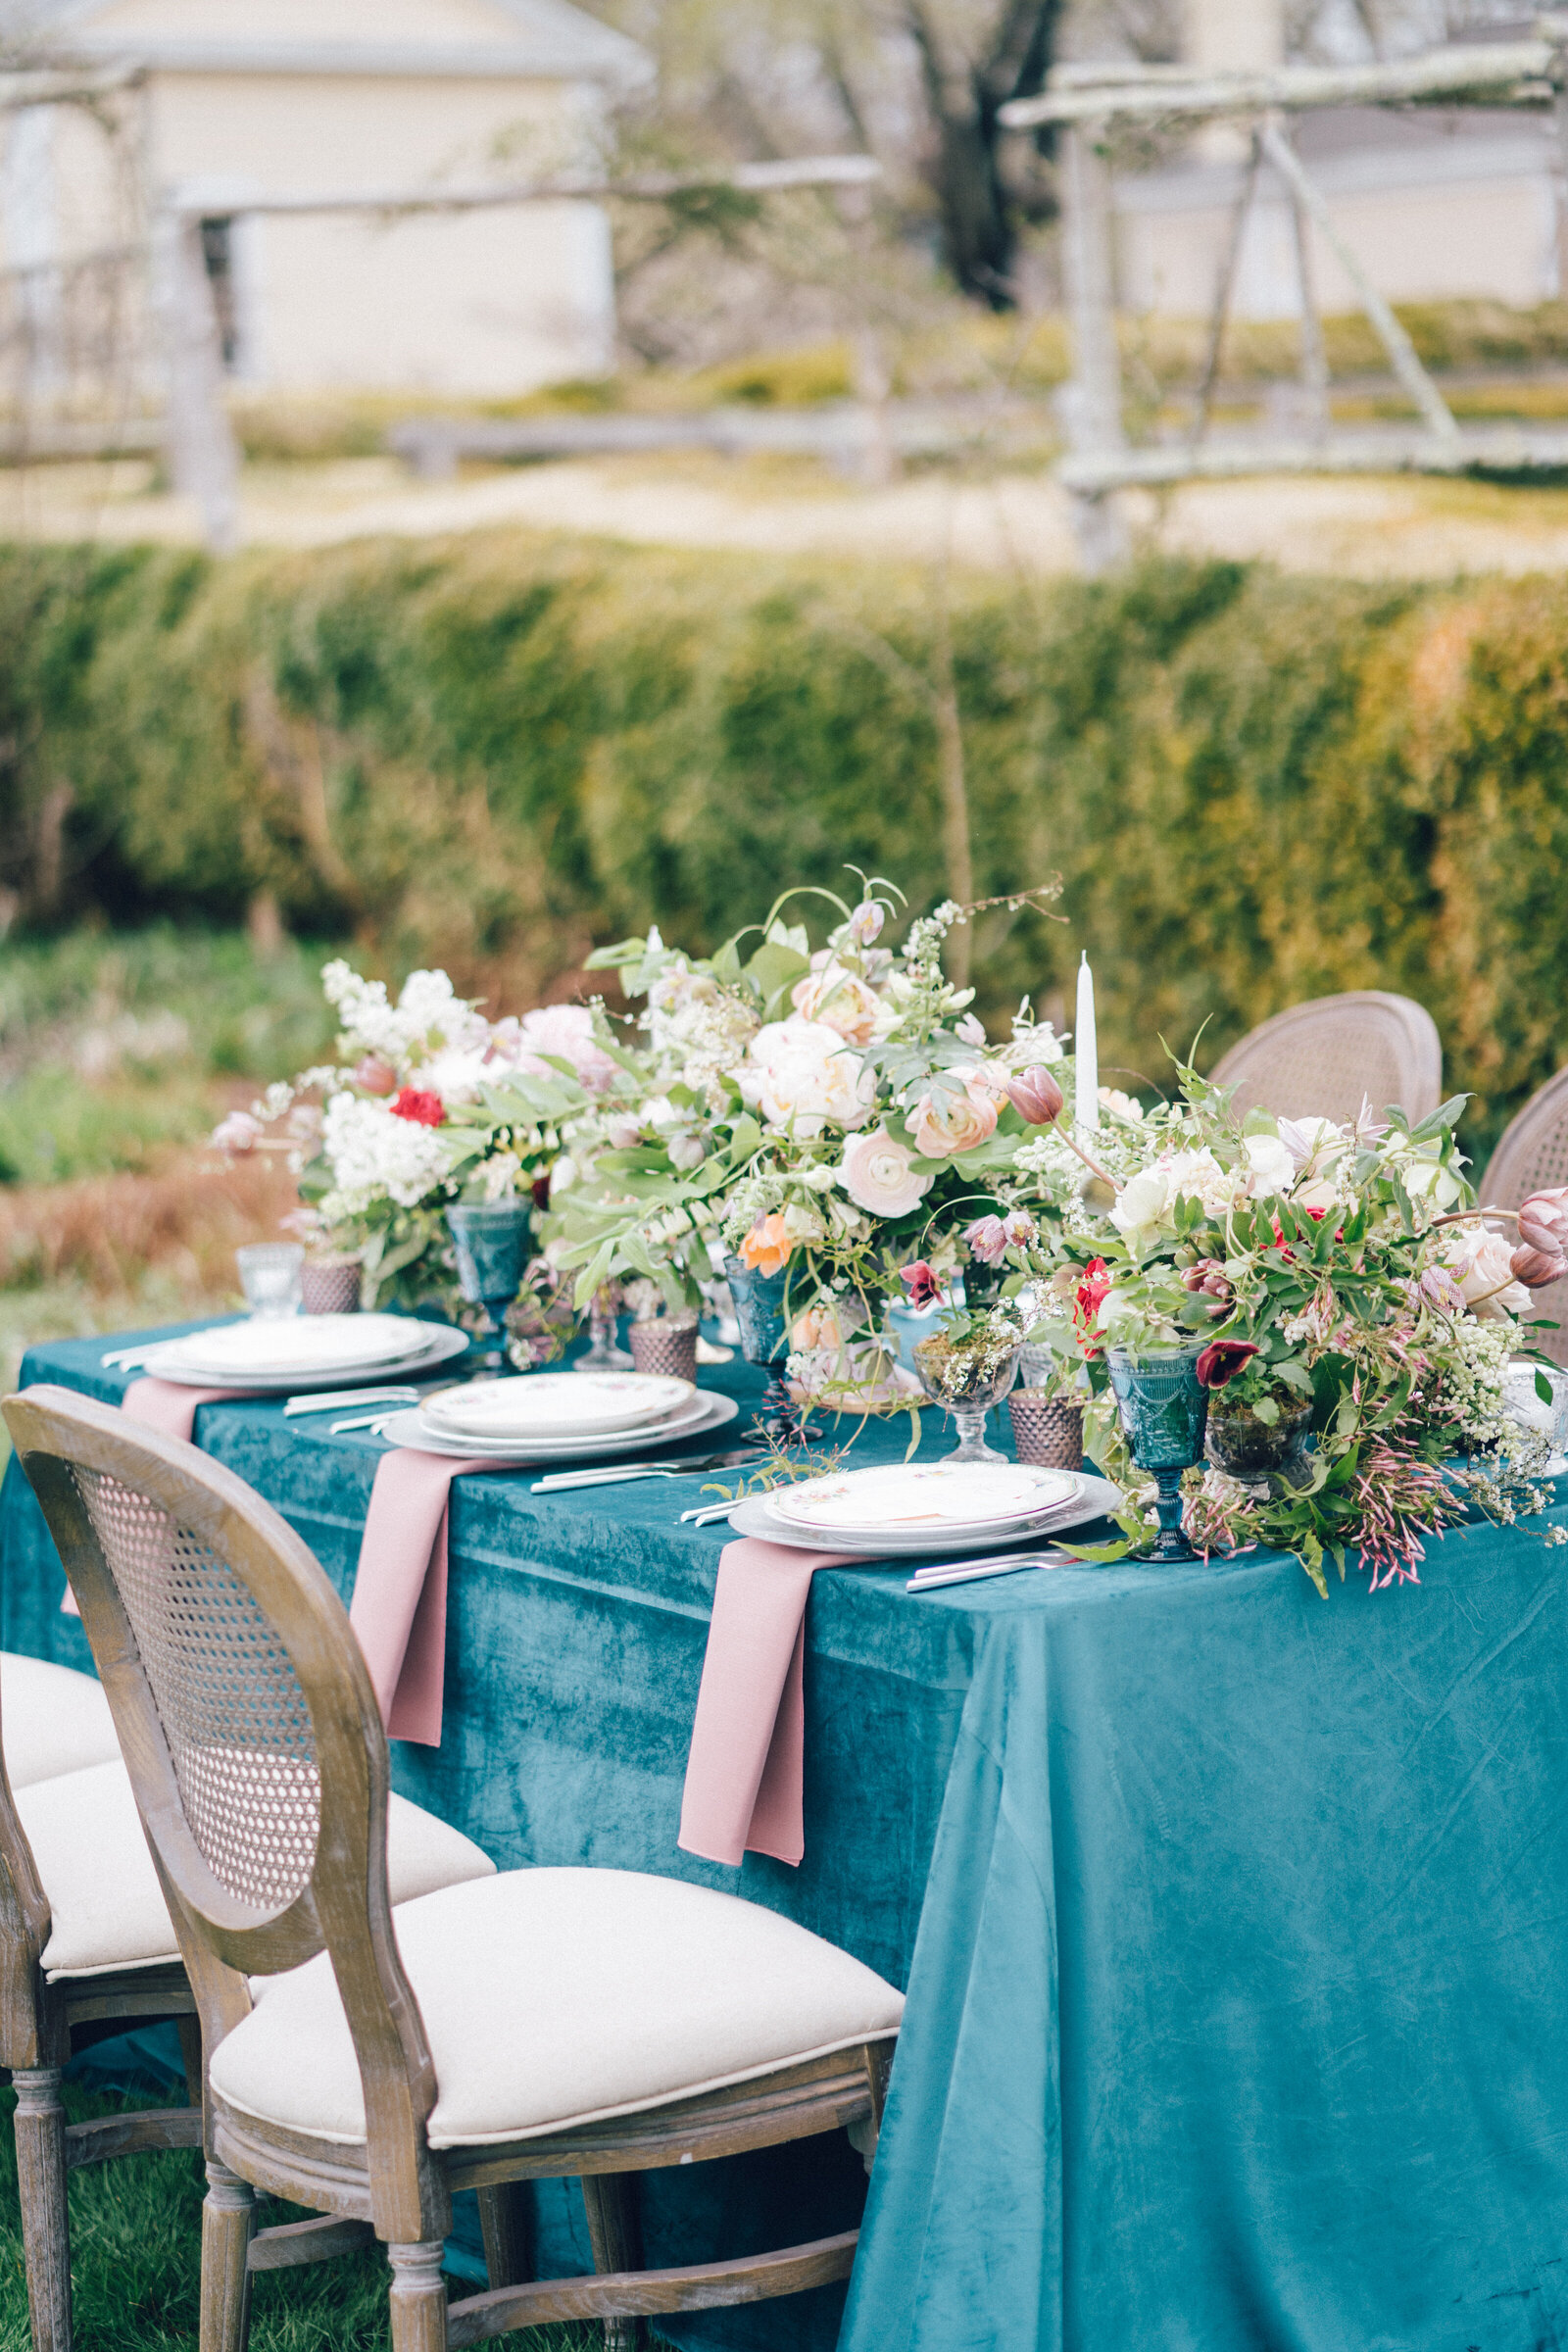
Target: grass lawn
136, 2262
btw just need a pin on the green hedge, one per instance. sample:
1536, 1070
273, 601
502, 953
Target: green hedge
494, 753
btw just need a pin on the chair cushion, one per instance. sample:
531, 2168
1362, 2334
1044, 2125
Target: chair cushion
554, 1997
51, 1720
107, 1908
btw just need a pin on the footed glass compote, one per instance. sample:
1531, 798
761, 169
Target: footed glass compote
603, 1354
492, 1245
967, 1376
1164, 1411
764, 1340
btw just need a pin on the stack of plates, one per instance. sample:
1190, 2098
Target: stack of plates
559, 1417
902, 1510
277, 1353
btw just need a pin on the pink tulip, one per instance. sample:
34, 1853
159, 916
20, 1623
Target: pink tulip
1036, 1097
374, 1075
1535, 1268
1543, 1222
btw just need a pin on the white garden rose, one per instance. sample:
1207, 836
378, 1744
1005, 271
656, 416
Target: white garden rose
800, 1074
1272, 1166
878, 1175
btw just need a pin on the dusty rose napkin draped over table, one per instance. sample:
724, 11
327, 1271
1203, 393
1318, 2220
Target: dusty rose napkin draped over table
399, 1609
745, 1773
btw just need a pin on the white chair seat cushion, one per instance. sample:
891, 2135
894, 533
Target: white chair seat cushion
107, 1908
51, 1720
555, 1997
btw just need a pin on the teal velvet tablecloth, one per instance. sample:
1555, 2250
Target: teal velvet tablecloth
1235, 1922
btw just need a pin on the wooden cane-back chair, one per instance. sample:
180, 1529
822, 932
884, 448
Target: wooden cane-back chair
1325, 1058
396, 2059
1533, 1158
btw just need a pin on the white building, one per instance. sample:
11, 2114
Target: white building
241, 99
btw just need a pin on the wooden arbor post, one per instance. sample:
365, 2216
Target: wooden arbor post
1094, 395
201, 455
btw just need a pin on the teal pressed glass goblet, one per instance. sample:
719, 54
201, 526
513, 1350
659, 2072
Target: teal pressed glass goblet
765, 1341
491, 1239
1164, 1411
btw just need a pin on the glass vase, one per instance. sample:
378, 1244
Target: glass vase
966, 1382
1164, 1411
605, 1354
491, 1240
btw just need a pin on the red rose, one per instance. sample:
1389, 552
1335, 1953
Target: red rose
1087, 1300
1222, 1359
426, 1110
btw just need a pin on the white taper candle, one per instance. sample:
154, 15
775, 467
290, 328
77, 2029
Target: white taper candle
1085, 1055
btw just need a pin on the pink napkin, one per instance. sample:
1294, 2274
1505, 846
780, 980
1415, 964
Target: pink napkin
399, 1608
744, 1771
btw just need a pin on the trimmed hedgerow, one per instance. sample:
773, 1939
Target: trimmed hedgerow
497, 752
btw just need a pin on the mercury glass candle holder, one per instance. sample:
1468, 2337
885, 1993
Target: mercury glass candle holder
491, 1239
765, 1339
1165, 1412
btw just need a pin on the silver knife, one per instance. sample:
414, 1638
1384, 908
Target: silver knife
562, 1481
968, 1572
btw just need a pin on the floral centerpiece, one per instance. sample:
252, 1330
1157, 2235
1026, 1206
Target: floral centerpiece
1350, 1311
426, 1103
830, 1114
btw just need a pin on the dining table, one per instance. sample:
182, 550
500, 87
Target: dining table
1233, 1919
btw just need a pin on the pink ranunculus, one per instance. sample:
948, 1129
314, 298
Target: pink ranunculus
840, 1001
238, 1133
1036, 1097
877, 1173
945, 1124
563, 1031
922, 1286
374, 1075
987, 1238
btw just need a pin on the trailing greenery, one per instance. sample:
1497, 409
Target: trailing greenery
499, 752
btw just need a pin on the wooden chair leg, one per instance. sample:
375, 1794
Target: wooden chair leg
228, 2214
616, 2241
504, 2219
41, 2185
418, 2297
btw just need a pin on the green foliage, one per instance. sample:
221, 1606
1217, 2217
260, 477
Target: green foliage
499, 752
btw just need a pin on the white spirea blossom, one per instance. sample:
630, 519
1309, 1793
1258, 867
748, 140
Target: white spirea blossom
372, 1154
429, 1018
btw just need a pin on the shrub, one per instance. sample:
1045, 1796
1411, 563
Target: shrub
499, 751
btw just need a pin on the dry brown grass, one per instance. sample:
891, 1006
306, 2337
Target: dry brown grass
107, 1232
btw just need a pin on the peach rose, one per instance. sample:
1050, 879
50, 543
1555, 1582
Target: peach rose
840, 1001
944, 1124
768, 1247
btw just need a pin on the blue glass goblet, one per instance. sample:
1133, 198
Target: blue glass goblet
492, 1245
765, 1339
1164, 1411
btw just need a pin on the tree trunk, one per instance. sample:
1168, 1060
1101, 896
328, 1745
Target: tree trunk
978, 210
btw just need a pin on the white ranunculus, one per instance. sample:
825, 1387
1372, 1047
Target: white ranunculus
1273, 1168
800, 1074
878, 1176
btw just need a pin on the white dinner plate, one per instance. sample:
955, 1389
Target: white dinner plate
281, 1346
962, 1497
1094, 1499
410, 1430
439, 1347
558, 1404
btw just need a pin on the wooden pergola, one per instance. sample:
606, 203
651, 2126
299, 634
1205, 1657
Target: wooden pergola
1090, 103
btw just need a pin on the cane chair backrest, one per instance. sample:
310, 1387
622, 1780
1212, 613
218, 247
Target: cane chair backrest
1324, 1058
1533, 1158
250, 1732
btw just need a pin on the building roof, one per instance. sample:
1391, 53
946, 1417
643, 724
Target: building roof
526, 40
